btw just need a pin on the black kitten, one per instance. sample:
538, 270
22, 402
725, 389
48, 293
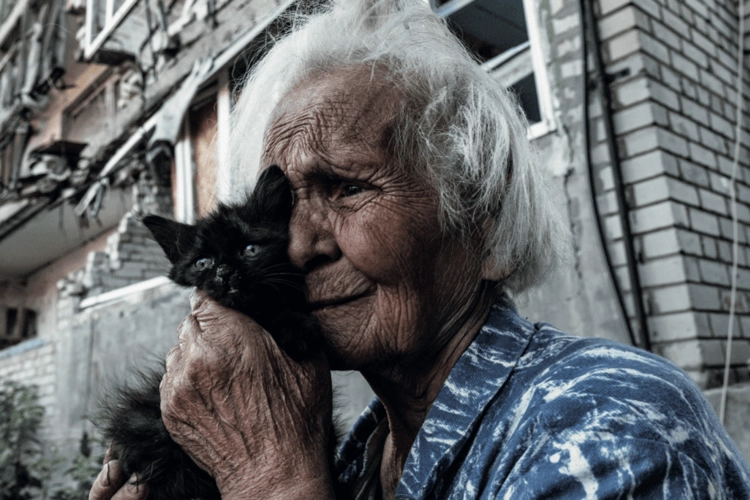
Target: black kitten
238, 256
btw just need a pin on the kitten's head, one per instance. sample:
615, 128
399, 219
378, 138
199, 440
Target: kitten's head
238, 254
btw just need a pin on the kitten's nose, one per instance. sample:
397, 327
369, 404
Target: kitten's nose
222, 270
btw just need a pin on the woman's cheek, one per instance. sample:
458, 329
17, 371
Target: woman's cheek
369, 247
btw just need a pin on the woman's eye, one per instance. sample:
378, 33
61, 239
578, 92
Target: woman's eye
252, 250
351, 190
204, 263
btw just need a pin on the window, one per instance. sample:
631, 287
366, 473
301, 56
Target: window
102, 17
504, 36
17, 325
202, 146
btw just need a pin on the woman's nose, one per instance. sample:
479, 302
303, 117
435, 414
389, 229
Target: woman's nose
312, 242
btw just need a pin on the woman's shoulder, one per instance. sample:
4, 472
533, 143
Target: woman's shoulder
600, 391
571, 357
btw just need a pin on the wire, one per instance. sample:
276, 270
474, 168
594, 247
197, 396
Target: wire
591, 40
733, 202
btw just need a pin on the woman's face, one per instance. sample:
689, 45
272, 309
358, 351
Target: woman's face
385, 282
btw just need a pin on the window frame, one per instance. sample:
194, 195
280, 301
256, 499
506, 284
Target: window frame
112, 20
547, 123
184, 154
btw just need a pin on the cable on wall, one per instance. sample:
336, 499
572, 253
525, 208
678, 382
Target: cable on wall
733, 202
591, 39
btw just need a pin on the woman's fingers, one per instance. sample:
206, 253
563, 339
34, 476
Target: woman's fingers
228, 390
110, 484
109, 481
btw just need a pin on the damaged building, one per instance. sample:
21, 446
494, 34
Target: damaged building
109, 108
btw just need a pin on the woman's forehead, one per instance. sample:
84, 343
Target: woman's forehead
349, 108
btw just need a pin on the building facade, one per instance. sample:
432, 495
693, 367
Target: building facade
113, 106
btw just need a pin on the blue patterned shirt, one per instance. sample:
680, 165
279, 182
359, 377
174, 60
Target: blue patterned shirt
531, 412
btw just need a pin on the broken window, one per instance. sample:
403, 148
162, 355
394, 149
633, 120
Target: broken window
504, 37
194, 179
203, 125
16, 325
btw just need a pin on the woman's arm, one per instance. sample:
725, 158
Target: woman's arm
255, 420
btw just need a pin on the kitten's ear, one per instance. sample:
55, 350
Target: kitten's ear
173, 237
273, 195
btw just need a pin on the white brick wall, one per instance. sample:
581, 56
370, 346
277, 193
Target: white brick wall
33, 363
674, 118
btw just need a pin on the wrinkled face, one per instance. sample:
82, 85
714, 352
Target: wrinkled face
387, 285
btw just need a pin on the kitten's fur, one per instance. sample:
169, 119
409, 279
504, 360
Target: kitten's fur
249, 271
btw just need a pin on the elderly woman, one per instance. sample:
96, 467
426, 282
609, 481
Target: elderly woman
418, 210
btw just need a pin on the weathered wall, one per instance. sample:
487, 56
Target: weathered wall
100, 345
33, 361
579, 297
737, 410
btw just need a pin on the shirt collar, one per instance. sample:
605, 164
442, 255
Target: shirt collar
479, 374
472, 383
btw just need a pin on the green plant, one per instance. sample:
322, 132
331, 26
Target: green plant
21, 467
83, 471
25, 472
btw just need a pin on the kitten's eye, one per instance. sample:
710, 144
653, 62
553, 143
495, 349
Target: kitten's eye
205, 263
252, 250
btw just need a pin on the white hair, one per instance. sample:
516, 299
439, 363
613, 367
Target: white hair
465, 131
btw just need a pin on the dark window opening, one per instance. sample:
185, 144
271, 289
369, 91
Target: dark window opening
489, 28
20, 324
525, 89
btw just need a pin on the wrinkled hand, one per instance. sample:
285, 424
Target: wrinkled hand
111, 485
246, 413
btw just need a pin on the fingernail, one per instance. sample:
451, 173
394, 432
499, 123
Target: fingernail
133, 483
193, 298
106, 479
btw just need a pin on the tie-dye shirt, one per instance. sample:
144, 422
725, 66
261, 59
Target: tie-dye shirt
531, 412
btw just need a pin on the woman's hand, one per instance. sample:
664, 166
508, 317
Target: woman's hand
246, 413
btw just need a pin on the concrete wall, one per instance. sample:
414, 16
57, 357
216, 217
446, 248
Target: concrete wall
737, 410
104, 344
579, 298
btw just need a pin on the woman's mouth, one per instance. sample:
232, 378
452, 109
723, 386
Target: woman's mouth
329, 303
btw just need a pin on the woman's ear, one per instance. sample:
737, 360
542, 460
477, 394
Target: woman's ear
490, 270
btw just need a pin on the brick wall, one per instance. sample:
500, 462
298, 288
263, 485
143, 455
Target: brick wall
33, 362
130, 256
674, 119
